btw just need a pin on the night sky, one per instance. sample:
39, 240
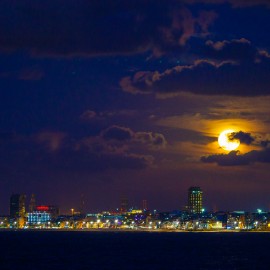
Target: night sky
128, 98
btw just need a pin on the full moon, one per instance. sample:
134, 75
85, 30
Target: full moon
225, 142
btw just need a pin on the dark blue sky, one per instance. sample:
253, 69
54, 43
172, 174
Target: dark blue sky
127, 98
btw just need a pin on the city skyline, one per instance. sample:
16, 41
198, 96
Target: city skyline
192, 217
194, 203
141, 99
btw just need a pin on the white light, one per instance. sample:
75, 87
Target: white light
226, 143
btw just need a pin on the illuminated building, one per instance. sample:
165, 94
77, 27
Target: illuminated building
136, 211
17, 205
51, 209
37, 217
195, 200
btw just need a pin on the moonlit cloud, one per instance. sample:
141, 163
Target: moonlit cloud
236, 159
204, 77
243, 137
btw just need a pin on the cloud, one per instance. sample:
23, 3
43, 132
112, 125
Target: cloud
117, 133
98, 27
234, 158
235, 50
156, 140
52, 140
56, 152
265, 143
123, 134
231, 159
115, 147
204, 77
244, 137
88, 115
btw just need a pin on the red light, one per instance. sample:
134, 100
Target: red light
42, 208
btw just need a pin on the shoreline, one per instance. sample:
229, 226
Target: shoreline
131, 230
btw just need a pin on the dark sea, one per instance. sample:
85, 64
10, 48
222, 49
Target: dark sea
57, 250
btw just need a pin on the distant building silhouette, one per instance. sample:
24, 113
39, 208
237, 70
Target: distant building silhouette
17, 205
124, 205
144, 205
82, 204
32, 204
195, 200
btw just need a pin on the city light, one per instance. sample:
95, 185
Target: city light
193, 217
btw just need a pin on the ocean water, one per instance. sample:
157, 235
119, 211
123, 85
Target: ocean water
57, 250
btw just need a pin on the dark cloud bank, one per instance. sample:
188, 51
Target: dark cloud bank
116, 148
233, 68
103, 27
243, 137
98, 27
235, 158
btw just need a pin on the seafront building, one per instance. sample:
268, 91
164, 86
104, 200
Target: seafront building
17, 206
38, 218
195, 200
189, 219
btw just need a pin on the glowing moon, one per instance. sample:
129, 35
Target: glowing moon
225, 142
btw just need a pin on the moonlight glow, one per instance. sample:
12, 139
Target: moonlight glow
226, 143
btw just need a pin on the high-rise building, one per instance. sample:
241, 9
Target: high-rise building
32, 204
144, 205
195, 200
82, 204
124, 205
17, 205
